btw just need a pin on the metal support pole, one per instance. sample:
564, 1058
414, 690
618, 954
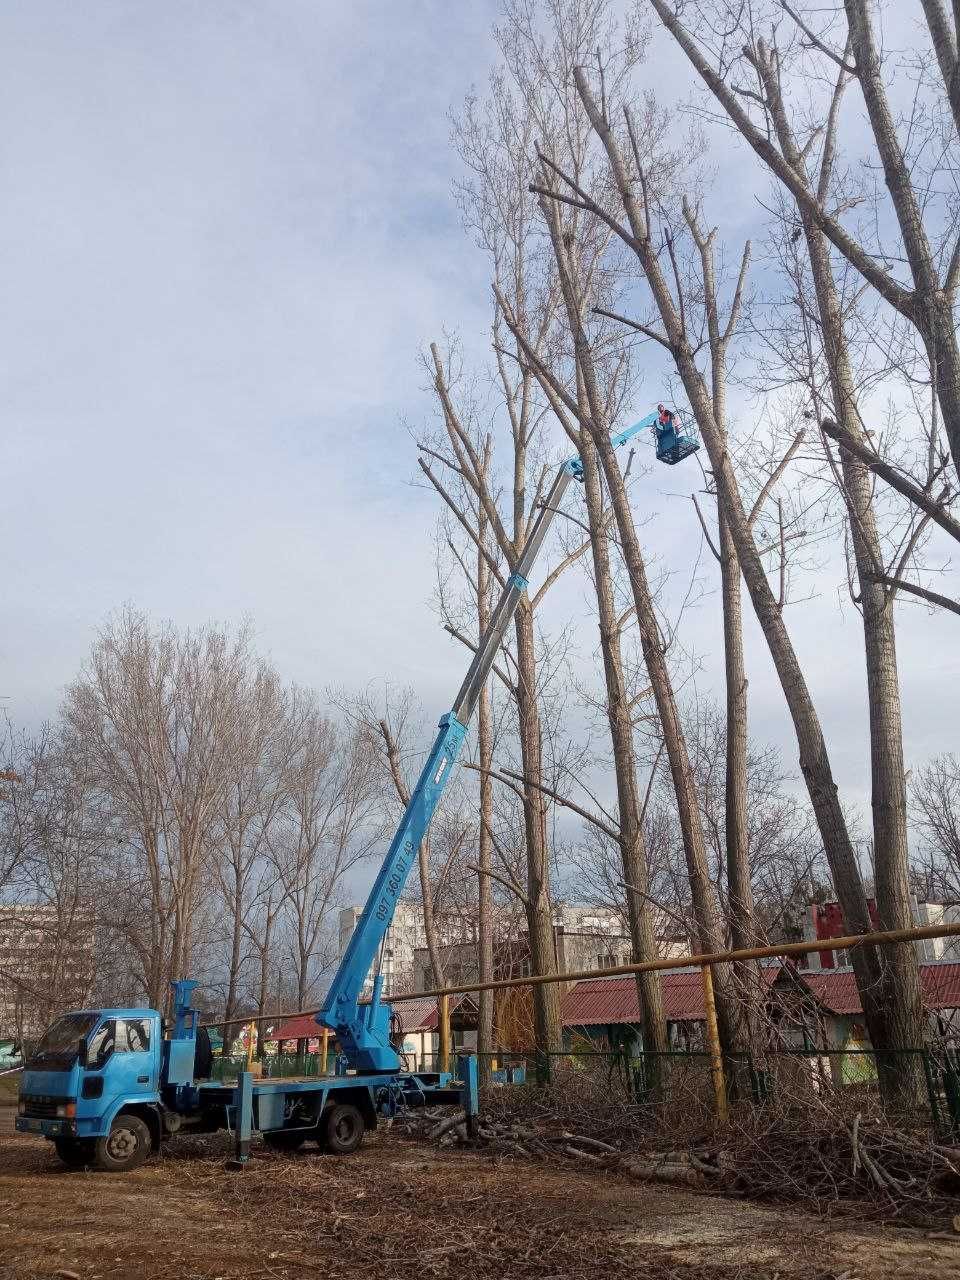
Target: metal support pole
324, 1049
443, 1015
251, 1032
713, 1043
243, 1120
471, 1090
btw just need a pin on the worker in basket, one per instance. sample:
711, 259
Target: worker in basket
666, 429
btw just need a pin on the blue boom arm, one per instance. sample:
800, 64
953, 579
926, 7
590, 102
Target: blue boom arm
364, 1030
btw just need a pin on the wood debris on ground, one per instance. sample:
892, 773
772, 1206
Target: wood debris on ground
889, 1173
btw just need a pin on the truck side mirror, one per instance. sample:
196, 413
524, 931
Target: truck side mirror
82, 1051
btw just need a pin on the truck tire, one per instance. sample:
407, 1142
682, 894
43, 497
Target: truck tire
342, 1129
126, 1145
284, 1140
76, 1153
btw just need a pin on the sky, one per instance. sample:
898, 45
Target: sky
227, 235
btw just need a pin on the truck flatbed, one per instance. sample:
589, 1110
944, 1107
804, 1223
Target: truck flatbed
289, 1109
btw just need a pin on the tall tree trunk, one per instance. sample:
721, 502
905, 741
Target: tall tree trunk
709, 934
740, 908
633, 854
539, 905
235, 949
901, 976
484, 882
740, 905
944, 38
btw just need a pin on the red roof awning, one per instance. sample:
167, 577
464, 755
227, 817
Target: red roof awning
303, 1027
607, 1001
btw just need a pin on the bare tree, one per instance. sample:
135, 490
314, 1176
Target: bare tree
577, 291
251, 802
19, 784
485, 922
492, 138
875, 599
58, 835
157, 715
936, 800
325, 829
873, 976
930, 250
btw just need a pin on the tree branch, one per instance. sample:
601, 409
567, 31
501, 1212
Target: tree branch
906, 488
634, 324
817, 42
491, 562
775, 476
900, 298
469, 644
508, 781
931, 597
703, 526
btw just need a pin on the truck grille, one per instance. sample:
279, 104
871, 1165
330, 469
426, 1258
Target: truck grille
42, 1106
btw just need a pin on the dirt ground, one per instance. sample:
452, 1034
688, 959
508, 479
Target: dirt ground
396, 1209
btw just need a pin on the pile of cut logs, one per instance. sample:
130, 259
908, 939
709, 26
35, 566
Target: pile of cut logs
541, 1142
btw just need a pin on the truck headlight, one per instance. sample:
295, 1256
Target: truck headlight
66, 1111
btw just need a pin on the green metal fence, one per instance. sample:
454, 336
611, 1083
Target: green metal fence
273, 1066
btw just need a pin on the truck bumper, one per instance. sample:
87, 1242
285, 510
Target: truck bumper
48, 1128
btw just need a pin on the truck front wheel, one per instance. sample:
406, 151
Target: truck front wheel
342, 1129
126, 1145
76, 1153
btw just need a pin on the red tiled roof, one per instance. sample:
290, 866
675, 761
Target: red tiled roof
415, 1015
599, 1001
836, 989
941, 985
603, 1001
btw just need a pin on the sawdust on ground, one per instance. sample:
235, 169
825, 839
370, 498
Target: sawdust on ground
395, 1210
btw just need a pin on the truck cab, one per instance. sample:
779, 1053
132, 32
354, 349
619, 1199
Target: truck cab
92, 1087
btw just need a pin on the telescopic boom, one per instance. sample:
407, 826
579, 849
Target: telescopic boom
363, 1031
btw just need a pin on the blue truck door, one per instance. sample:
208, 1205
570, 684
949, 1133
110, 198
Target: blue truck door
134, 1068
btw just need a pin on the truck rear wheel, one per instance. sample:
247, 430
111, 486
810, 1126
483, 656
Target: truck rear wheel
342, 1129
76, 1153
126, 1145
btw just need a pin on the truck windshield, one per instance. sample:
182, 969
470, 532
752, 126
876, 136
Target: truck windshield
58, 1048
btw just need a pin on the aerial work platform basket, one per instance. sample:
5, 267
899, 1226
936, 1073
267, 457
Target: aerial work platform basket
676, 438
